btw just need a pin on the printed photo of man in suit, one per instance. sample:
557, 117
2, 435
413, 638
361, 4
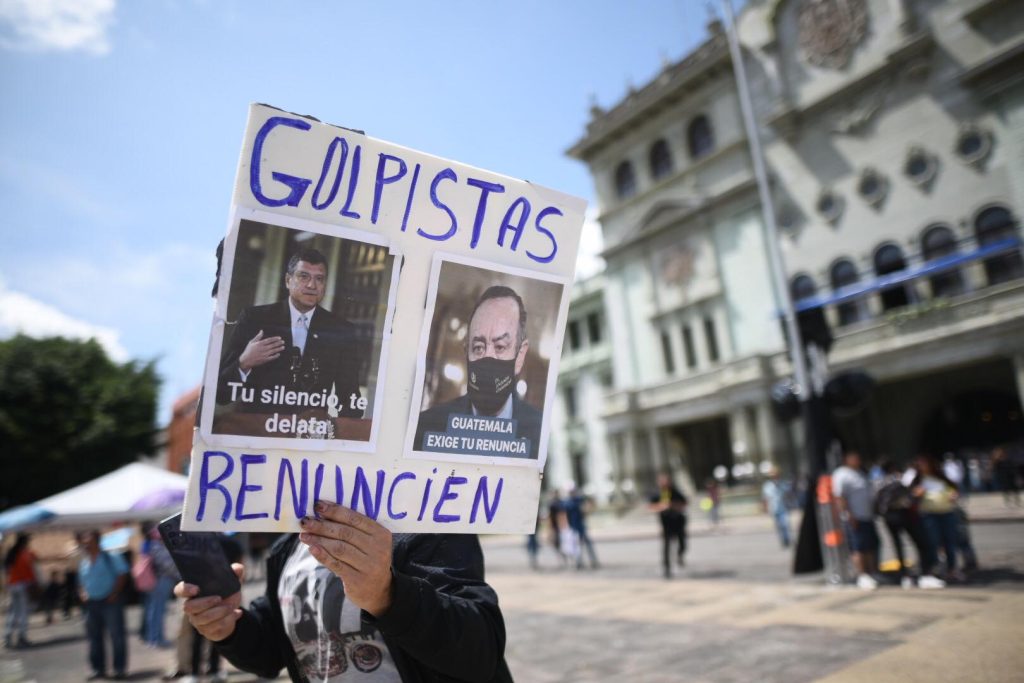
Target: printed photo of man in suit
294, 355
496, 351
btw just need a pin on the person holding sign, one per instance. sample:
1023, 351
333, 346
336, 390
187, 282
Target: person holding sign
347, 600
294, 357
491, 418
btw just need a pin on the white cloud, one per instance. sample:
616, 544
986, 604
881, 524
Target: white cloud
589, 261
20, 313
39, 25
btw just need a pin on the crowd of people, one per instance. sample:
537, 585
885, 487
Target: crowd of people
921, 502
565, 519
101, 584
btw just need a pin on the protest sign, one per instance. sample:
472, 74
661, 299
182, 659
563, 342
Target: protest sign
386, 335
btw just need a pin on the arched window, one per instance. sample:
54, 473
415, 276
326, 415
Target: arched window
661, 160
938, 241
844, 274
802, 287
992, 225
625, 180
889, 259
699, 137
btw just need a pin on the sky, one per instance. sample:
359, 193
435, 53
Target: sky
122, 124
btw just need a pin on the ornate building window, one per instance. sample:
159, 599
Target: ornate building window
711, 339
661, 160
889, 259
996, 224
872, 186
973, 144
625, 180
688, 348
829, 205
802, 287
920, 167
666, 354
938, 241
700, 138
843, 274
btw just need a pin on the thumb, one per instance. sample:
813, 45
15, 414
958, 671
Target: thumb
239, 570
259, 335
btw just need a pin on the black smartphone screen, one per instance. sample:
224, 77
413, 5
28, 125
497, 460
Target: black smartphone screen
200, 558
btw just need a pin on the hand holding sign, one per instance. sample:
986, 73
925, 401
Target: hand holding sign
213, 616
260, 351
357, 549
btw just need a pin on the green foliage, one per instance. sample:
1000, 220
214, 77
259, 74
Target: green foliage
69, 414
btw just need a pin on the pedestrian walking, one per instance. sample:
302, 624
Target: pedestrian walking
166, 575
714, 501
576, 507
20, 567
855, 501
774, 493
1005, 476
555, 518
937, 497
670, 504
103, 578
51, 595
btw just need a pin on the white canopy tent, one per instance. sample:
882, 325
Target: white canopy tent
135, 492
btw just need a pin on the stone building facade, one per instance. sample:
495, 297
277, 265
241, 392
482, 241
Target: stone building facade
894, 133
894, 136
690, 315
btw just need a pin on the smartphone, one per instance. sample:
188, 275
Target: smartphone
200, 558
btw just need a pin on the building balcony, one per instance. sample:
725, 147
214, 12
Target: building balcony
968, 327
587, 357
714, 389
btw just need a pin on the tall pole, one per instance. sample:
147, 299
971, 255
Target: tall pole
771, 231
812, 552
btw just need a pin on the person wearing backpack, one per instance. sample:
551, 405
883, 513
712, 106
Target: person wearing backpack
103, 578
896, 505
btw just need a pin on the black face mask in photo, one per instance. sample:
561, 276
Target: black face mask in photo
490, 382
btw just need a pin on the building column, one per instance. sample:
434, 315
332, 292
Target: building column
740, 439
773, 439
627, 475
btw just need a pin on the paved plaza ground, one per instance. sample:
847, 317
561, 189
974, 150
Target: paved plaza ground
734, 613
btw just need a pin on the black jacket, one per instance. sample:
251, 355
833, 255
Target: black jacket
444, 623
332, 345
528, 420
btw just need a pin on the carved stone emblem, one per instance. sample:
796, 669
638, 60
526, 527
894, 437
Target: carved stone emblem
830, 30
677, 265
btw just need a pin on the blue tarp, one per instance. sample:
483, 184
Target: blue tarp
933, 267
22, 516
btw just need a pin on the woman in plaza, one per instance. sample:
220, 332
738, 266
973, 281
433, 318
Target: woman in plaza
19, 565
937, 497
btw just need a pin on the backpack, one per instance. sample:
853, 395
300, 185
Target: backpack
892, 500
144, 574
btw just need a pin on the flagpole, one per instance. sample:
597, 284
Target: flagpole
771, 231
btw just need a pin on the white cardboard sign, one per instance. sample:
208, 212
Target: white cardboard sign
386, 335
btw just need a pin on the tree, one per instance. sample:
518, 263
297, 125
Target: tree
69, 414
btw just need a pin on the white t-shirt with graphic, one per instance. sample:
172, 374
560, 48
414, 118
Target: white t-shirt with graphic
331, 642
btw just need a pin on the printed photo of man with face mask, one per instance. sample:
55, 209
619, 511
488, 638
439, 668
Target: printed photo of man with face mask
490, 418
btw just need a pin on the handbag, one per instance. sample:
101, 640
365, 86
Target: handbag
143, 574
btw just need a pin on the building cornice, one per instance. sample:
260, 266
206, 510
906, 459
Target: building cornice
998, 71
662, 92
705, 204
788, 119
